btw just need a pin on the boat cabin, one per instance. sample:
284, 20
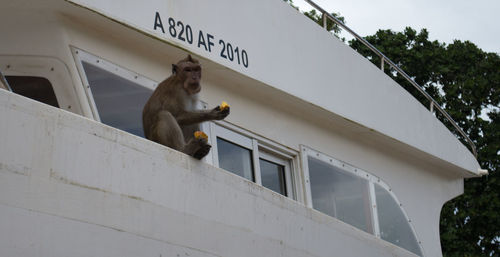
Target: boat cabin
321, 155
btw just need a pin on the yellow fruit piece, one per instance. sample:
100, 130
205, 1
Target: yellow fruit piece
224, 105
200, 134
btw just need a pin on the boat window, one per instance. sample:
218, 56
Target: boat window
118, 101
45, 79
244, 154
36, 88
275, 171
235, 159
356, 197
340, 194
394, 226
273, 176
117, 95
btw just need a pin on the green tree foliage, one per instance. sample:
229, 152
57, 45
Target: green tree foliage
330, 25
465, 81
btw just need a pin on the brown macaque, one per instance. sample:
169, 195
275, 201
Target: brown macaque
170, 116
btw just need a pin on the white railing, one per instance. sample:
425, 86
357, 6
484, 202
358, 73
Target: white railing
385, 60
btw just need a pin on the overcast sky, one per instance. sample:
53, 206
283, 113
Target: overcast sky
475, 20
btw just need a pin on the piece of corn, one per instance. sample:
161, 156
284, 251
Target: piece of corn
224, 105
200, 134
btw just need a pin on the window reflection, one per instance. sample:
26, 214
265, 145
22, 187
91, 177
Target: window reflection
340, 194
235, 159
273, 176
392, 222
118, 100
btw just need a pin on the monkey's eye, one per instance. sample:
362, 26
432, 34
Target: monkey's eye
187, 69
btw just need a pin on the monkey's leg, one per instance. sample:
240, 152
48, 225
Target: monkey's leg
168, 132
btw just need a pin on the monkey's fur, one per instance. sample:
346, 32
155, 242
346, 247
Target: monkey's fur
170, 118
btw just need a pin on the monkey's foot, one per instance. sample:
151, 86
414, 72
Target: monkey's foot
198, 146
204, 146
202, 152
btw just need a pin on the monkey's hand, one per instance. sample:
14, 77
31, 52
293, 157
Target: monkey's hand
219, 113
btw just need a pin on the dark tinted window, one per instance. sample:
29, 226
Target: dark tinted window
36, 88
273, 176
235, 159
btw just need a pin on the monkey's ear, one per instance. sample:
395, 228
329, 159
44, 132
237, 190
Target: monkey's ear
174, 69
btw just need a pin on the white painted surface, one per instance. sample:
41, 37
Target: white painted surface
72, 187
415, 178
291, 53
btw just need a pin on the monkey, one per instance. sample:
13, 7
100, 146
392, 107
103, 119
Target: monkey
169, 116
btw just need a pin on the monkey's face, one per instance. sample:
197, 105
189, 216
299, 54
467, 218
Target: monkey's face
191, 73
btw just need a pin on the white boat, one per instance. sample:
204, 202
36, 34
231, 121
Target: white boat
322, 154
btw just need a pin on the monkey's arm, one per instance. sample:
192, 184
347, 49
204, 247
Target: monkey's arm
194, 117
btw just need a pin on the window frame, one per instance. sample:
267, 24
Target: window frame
81, 56
306, 152
52, 69
269, 155
260, 147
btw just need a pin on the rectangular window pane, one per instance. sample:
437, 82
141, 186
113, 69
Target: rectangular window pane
340, 194
118, 100
235, 159
273, 176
